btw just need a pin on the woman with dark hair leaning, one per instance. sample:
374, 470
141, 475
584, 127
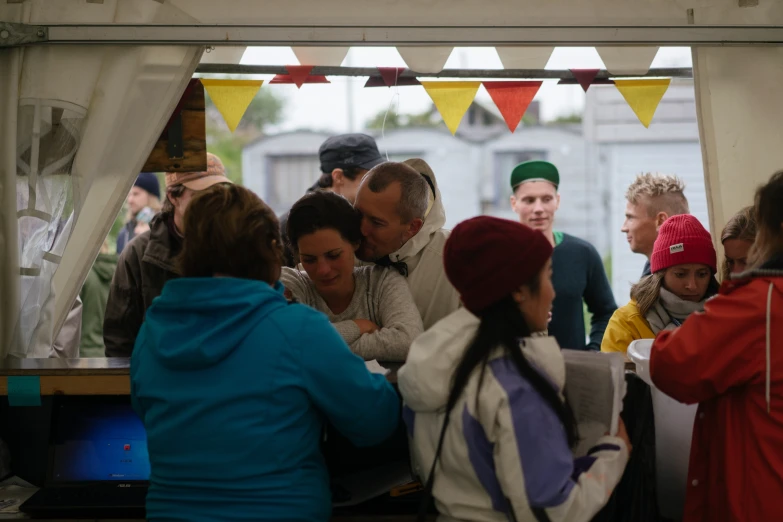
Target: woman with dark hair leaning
683, 267
233, 383
484, 399
371, 306
729, 359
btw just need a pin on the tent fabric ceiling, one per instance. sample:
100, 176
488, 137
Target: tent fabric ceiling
496, 13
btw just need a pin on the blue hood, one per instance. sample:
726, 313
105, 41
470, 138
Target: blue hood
197, 322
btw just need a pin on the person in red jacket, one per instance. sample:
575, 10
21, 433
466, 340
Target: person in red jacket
729, 359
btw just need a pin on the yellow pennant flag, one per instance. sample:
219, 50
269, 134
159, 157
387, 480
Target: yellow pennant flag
643, 96
232, 97
452, 100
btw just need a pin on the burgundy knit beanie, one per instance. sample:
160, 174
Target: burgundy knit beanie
487, 258
682, 240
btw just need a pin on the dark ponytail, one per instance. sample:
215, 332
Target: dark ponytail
502, 324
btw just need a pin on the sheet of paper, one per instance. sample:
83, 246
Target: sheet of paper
374, 367
13, 493
595, 387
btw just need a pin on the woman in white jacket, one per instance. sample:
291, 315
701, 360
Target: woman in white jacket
492, 434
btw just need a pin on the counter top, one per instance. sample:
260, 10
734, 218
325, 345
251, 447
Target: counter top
92, 366
88, 376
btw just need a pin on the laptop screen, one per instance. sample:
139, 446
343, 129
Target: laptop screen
98, 440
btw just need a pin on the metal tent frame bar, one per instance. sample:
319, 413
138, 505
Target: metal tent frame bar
12, 34
533, 74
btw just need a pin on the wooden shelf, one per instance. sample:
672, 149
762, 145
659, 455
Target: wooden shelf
78, 385
71, 376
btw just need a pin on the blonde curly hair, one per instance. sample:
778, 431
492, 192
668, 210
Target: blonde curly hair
661, 193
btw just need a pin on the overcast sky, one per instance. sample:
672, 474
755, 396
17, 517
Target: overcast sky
325, 106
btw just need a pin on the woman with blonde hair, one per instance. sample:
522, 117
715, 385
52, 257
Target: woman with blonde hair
737, 239
683, 267
729, 360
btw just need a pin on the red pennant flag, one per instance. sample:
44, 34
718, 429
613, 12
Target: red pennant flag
391, 75
287, 78
512, 99
299, 73
585, 76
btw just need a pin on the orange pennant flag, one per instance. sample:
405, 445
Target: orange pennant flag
643, 96
452, 100
232, 97
512, 99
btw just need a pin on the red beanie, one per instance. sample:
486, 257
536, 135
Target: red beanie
682, 240
487, 258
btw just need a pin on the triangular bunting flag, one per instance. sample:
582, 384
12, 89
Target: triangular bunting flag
524, 57
232, 97
452, 99
329, 56
627, 60
585, 76
512, 99
425, 59
377, 81
391, 75
299, 73
643, 96
574, 81
286, 78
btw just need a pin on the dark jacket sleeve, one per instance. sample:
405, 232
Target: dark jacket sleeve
599, 298
125, 306
124, 237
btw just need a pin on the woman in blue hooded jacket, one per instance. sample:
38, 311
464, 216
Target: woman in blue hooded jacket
233, 383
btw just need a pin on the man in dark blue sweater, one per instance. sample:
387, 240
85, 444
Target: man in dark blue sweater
577, 270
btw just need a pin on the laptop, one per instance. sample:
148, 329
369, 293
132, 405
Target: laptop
98, 464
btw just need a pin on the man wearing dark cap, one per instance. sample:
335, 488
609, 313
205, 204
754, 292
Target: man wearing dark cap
577, 270
147, 262
345, 159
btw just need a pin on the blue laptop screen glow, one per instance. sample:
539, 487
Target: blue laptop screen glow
99, 442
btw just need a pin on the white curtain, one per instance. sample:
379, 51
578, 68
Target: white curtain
740, 123
78, 124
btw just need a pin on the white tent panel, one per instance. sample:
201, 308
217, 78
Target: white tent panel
479, 13
78, 124
146, 84
740, 114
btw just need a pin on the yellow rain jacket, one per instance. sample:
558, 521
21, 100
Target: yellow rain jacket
626, 325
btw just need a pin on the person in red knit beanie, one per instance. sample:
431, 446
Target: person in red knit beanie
683, 265
480, 375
